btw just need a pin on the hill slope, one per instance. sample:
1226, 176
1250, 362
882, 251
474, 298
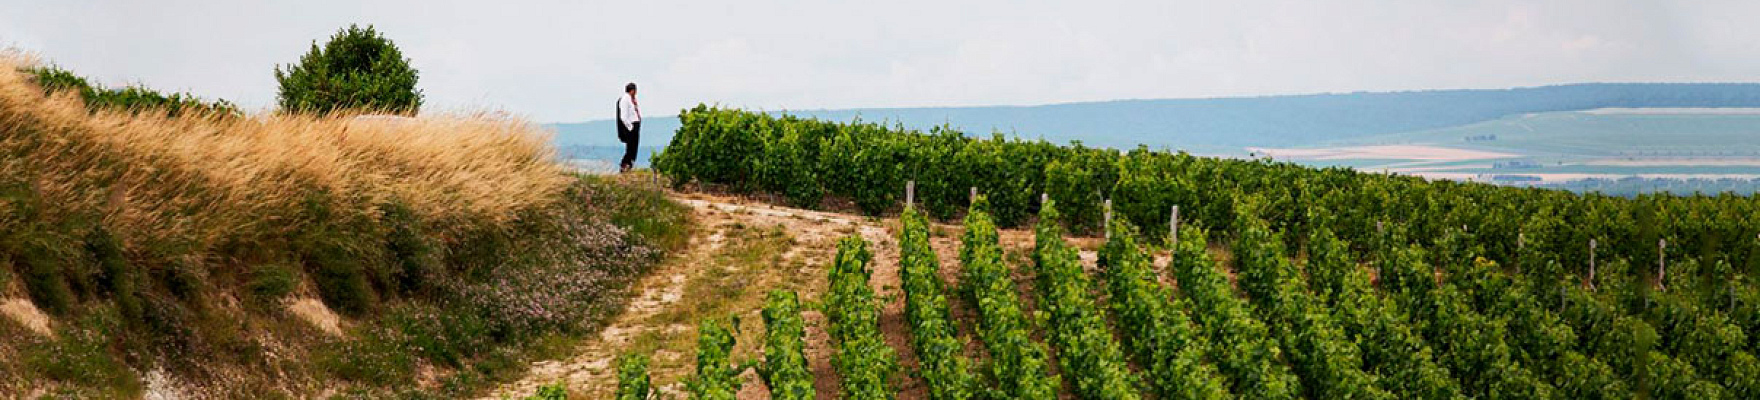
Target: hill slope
206, 253
1227, 124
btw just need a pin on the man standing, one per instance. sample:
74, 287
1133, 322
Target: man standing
629, 126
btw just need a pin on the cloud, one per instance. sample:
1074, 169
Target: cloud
564, 60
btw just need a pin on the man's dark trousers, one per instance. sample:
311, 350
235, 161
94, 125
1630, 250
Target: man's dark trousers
631, 137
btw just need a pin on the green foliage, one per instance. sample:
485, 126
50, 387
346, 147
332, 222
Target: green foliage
1155, 328
1242, 346
1086, 349
648, 215
1471, 290
1018, 364
131, 99
785, 361
412, 250
269, 283
870, 163
41, 270
80, 358
717, 377
633, 382
944, 367
554, 391
1326, 359
358, 70
864, 362
378, 358
1475, 348
1407, 365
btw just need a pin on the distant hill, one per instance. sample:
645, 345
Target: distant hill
1228, 124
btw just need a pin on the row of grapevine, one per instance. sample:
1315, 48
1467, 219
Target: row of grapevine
864, 363
1325, 358
1484, 287
1470, 344
632, 378
1540, 337
943, 367
1018, 364
1708, 341
807, 160
1243, 347
1085, 347
717, 378
785, 351
1154, 326
1387, 343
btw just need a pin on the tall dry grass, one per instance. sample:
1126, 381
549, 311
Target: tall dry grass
208, 179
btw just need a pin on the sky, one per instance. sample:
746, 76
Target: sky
561, 61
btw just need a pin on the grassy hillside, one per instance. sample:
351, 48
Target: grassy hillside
217, 254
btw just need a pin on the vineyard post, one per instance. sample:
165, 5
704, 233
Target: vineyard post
974, 196
1661, 266
1044, 198
1107, 222
1521, 241
1173, 226
910, 193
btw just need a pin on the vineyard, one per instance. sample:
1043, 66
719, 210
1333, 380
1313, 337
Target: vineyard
1226, 278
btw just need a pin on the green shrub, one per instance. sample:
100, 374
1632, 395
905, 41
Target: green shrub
342, 283
341, 255
132, 98
184, 278
358, 69
411, 249
269, 283
44, 279
116, 277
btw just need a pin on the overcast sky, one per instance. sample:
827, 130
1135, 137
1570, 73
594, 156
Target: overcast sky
567, 60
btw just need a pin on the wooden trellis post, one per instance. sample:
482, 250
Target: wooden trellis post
1521, 241
910, 193
1661, 263
1107, 223
974, 196
1173, 225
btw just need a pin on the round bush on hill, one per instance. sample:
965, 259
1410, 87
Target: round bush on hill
358, 69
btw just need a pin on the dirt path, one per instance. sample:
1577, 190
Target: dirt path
741, 250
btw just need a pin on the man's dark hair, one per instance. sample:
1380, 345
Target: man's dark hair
631, 87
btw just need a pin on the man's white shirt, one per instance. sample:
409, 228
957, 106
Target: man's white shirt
626, 111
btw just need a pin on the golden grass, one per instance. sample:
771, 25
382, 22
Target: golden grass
208, 178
